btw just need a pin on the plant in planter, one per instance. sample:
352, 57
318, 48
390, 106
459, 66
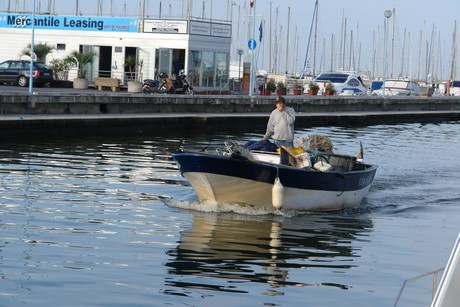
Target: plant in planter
61, 68
281, 88
330, 89
80, 59
313, 88
271, 85
135, 71
297, 88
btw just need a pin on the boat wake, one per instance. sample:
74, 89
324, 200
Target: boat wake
212, 206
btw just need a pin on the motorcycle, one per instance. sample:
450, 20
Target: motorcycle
163, 85
178, 85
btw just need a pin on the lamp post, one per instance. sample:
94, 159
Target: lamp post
387, 15
32, 54
240, 53
251, 78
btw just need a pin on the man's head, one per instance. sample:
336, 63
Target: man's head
280, 103
280, 99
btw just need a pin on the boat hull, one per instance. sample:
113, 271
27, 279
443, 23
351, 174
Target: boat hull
228, 180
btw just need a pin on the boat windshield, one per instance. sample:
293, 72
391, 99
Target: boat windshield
334, 78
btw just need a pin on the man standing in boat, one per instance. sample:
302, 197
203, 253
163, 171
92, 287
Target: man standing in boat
280, 125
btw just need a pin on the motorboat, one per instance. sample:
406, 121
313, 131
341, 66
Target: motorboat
311, 180
398, 87
345, 83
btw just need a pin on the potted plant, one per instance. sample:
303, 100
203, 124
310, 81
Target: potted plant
313, 88
270, 86
135, 71
297, 88
281, 88
80, 59
330, 89
61, 68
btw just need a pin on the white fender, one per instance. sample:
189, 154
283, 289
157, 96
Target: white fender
277, 194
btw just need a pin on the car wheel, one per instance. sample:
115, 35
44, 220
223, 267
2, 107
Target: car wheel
22, 81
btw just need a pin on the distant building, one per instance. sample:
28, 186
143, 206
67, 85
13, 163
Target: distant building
200, 47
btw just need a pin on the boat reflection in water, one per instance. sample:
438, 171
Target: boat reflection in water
224, 251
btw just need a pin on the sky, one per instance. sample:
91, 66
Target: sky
349, 34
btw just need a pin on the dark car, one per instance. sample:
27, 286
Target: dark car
17, 71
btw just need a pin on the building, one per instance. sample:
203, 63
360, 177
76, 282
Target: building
201, 47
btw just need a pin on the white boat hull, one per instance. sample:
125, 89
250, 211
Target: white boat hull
230, 189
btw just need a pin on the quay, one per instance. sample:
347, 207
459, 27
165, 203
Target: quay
53, 111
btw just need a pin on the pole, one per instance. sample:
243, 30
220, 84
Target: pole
31, 77
251, 77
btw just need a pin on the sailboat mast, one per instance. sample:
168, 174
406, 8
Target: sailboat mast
454, 53
287, 39
316, 34
270, 43
332, 50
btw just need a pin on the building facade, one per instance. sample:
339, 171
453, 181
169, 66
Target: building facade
200, 47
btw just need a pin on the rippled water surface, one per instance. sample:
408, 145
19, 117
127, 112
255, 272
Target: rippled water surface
110, 221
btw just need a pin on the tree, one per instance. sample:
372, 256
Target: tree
130, 63
41, 50
134, 65
81, 59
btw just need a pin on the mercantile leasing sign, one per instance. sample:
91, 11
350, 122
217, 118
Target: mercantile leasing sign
76, 23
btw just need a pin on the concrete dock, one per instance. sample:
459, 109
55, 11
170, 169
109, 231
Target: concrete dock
56, 110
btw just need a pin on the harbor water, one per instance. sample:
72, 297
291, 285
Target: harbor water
110, 221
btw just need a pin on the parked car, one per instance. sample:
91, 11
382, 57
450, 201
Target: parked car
18, 72
344, 83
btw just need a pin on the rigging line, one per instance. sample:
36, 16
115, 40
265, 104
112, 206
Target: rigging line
309, 39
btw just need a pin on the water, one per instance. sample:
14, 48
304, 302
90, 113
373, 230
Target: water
110, 222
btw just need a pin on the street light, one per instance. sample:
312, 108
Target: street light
387, 15
240, 53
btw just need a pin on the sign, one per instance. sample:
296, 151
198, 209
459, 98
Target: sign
252, 44
75, 23
165, 26
210, 29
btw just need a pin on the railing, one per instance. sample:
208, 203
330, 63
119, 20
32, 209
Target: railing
417, 278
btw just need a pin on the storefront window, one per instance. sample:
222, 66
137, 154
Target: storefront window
222, 69
207, 69
194, 67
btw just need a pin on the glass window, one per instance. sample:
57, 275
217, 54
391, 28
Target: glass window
208, 69
194, 63
222, 69
353, 82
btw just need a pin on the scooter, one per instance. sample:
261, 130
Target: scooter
181, 85
163, 85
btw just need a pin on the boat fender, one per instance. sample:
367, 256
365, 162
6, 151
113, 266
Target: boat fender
277, 194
